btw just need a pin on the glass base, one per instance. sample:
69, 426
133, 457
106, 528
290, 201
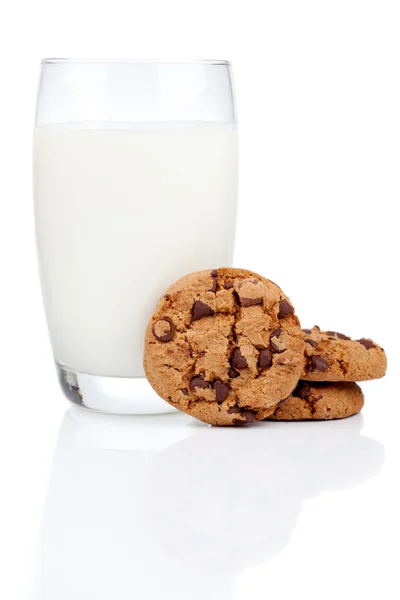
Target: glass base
116, 395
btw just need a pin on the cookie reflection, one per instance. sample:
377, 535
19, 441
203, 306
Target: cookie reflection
160, 507
233, 497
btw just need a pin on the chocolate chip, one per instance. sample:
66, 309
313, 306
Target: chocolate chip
331, 333
282, 402
303, 391
317, 363
306, 330
239, 422
234, 409
276, 333
214, 275
214, 286
265, 359
342, 336
316, 327
198, 381
184, 391
163, 329
200, 310
221, 391
312, 343
249, 415
285, 309
366, 343
250, 301
228, 285
238, 361
232, 373
273, 345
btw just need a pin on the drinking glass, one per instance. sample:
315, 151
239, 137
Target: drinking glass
135, 185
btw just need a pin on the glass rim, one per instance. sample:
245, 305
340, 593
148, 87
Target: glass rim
133, 61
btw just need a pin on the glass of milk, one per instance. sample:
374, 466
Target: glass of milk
135, 184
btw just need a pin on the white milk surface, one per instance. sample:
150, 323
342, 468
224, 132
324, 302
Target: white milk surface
121, 212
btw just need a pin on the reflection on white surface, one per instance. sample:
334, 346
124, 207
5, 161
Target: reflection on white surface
163, 507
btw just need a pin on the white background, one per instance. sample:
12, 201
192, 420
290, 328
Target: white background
298, 511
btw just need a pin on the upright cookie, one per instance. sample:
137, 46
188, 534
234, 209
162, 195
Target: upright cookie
320, 401
332, 356
224, 346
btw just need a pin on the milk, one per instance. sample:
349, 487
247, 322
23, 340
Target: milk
122, 211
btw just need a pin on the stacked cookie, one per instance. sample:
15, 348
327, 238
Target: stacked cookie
226, 347
333, 362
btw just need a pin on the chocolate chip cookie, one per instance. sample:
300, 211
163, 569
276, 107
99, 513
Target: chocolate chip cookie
320, 401
332, 356
225, 346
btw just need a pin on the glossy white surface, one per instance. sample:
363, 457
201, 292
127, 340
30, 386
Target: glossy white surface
166, 507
